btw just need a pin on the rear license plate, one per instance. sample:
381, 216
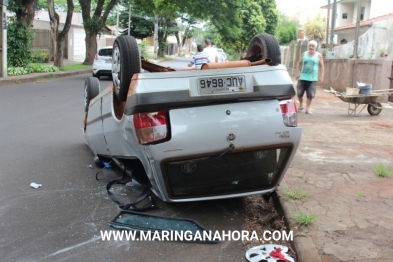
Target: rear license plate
225, 84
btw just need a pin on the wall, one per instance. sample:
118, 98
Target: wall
345, 8
343, 73
376, 40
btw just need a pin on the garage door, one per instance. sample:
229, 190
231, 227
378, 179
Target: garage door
79, 44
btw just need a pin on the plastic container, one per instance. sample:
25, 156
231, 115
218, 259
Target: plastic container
366, 89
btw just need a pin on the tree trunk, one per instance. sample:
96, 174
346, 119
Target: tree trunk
58, 55
91, 48
92, 31
27, 11
58, 38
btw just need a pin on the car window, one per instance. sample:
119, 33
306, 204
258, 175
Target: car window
105, 52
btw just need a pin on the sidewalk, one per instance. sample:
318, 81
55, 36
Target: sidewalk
335, 165
11, 80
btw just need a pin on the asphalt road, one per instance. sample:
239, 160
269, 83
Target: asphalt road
41, 141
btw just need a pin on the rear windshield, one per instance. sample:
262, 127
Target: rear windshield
105, 52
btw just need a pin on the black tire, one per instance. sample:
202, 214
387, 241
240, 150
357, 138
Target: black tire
92, 89
372, 110
264, 46
96, 76
126, 62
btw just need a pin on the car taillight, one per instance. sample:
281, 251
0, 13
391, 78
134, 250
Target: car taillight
96, 57
150, 127
289, 112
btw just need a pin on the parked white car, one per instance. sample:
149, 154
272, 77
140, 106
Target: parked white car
102, 64
226, 130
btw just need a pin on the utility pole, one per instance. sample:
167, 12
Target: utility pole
155, 35
129, 20
327, 26
333, 23
355, 47
3, 40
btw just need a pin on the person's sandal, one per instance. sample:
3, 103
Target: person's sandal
300, 109
309, 112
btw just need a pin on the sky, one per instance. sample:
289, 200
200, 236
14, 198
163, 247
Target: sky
291, 7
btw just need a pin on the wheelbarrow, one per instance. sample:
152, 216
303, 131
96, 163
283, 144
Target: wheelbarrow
359, 102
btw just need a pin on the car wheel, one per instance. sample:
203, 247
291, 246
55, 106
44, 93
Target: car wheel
373, 110
264, 46
96, 76
126, 62
92, 89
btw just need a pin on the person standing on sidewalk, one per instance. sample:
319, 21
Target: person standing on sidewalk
211, 51
309, 70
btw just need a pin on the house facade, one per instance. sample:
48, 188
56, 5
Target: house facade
75, 47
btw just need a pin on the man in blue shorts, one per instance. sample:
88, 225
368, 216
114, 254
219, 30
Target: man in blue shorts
309, 70
200, 58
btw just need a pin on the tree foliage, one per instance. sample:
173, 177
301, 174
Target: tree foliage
315, 28
271, 15
60, 5
24, 10
141, 25
19, 43
287, 30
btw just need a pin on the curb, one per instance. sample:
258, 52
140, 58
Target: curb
304, 246
14, 80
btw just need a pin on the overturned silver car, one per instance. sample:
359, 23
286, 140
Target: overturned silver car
226, 130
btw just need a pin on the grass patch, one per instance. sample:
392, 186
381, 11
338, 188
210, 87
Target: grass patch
296, 194
304, 219
383, 171
359, 195
74, 67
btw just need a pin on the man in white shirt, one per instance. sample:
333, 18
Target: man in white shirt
211, 51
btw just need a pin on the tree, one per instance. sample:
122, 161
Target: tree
59, 37
60, 5
271, 15
20, 38
93, 24
222, 13
141, 26
287, 30
24, 10
315, 28
186, 30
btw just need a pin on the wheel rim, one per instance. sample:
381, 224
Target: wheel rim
374, 109
116, 68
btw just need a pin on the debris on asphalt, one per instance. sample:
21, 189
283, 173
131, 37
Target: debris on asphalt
107, 165
129, 184
269, 253
35, 185
90, 166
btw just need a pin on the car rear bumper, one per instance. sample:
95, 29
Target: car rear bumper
186, 167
